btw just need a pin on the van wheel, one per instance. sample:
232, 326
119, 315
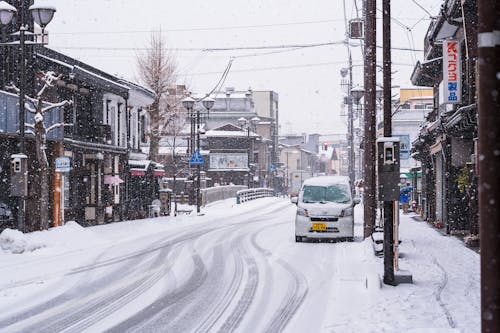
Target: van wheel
298, 239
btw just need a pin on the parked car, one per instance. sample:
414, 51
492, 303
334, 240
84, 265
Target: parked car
325, 209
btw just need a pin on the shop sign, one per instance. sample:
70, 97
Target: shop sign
228, 161
452, 73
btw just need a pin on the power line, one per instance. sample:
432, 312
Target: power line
423, 8
238, 48
197, 28
236, 27
290, 67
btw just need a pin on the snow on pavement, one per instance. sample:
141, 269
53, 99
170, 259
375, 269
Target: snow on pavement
344, 292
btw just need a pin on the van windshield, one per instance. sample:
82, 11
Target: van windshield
335, 193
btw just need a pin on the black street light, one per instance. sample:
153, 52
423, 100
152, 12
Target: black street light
357, 93
188, 104
248, 124
42, 15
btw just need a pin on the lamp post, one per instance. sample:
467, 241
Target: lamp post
188, 104
248, 124
357, 93
42, 15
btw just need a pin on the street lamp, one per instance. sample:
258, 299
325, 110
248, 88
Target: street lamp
248, 124
7, 12
42, 15
188, 104
357, 93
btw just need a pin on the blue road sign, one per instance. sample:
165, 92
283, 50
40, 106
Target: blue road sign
196, 158
63, 164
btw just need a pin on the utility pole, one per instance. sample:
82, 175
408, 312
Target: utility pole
350, 125
489, 161
388, 205
370, 117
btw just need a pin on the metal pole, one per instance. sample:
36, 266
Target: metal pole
388, 205
21, 221
198, 181
248, 156
350, 129
489, 161
370, 118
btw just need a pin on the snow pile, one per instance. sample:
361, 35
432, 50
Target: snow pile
16, 242
70, 236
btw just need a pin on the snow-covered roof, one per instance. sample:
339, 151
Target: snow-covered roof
139, 164
59, 62
215, 133
78, 68
327, 180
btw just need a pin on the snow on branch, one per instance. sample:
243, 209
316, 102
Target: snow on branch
51, 106
49, 78
53, 127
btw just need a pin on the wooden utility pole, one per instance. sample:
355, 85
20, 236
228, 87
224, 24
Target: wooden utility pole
489, 161
370, 202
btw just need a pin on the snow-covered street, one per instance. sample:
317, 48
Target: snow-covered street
236, 268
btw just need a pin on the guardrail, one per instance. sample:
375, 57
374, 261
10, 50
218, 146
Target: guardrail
253, 193
217, 193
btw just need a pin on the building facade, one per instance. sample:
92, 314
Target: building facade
446, 145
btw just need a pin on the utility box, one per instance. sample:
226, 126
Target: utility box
356, 29
165, 200
388, 164
18, 175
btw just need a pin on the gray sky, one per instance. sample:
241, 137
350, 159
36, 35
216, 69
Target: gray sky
104, 33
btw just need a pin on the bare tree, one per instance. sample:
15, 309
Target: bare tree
39, 108
173, 130
157, 70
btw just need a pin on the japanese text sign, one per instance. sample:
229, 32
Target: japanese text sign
452, 72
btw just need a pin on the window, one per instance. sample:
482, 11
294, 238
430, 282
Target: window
335, 193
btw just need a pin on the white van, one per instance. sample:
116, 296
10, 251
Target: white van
325, 209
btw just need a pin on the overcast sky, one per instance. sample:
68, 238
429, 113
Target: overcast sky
107, 34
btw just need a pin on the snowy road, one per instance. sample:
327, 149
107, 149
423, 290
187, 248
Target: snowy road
237, 268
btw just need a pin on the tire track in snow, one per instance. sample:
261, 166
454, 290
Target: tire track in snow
296, 292
245, 300
101, 305
439, 291
179, 315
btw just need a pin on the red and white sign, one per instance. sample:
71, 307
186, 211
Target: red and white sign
452, 72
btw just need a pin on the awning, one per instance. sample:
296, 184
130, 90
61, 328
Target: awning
159, 172
137, 172
112, 180
464, 119
138, 167
427, 73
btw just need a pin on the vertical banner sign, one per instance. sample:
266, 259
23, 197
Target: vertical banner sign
452, 72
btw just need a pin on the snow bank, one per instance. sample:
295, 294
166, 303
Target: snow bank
71, 235
14, 241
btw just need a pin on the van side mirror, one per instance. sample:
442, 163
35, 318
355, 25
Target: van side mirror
356, 201
294, 200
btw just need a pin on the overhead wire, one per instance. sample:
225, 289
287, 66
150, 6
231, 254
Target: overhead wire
255, 69
237, 48
423, 8
235, 27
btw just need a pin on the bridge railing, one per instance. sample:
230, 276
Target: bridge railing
217, 193
253, 193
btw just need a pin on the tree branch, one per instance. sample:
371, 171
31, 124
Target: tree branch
53, 127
